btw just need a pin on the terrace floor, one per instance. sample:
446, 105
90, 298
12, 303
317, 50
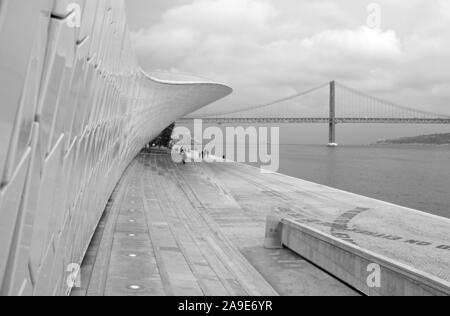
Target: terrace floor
192, 230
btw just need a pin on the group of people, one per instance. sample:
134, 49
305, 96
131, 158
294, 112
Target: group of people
201, 155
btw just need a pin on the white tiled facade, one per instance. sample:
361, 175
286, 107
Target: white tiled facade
75, 109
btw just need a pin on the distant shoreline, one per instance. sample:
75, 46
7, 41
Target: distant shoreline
431, 140
409, 144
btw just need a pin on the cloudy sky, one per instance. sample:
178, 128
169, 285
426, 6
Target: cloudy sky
267, 49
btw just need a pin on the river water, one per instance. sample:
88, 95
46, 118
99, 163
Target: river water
413, 176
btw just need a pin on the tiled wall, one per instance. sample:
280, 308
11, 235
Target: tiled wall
75, 109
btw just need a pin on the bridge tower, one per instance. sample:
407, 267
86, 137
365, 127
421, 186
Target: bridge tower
332, 129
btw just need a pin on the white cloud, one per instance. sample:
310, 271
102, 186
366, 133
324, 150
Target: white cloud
268, 49
362, 42
230, 17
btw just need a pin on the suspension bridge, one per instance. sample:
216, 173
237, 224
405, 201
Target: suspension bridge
331, 103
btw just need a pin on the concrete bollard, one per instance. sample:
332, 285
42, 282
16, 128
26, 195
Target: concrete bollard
274, 229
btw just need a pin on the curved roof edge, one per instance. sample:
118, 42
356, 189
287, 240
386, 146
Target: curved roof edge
208, 92
186, 82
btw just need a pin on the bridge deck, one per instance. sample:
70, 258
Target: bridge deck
313, 120
189, 236
200, 229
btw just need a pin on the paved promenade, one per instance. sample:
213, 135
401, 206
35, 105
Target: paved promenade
198, 229
176, 230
